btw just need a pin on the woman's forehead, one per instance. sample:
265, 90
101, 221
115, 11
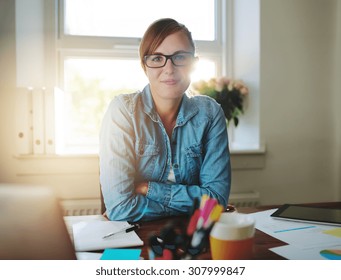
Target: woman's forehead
173, 43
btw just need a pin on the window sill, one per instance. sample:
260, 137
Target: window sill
248, 158
55, 156
241, 159
36, 165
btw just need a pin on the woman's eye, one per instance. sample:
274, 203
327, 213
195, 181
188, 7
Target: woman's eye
179, 57
157, 58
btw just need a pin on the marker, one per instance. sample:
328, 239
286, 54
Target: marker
126, 229
206, 211
198, 237
204, 198
193, 222
214, 215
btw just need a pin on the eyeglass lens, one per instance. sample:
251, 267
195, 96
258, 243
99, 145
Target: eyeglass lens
160, 60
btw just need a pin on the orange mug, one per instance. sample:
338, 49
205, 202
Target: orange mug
232, 237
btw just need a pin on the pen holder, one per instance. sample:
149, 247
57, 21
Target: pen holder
179, 241
169, 244
174, 244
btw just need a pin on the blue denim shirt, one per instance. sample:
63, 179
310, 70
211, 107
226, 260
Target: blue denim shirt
134, 147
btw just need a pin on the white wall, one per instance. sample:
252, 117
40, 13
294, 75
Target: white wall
299, 110
337, 102
297, 125
299, 103
7, 85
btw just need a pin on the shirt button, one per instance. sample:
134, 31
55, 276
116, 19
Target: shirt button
176, 165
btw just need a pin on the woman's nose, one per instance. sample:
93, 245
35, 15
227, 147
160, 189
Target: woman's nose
169, 66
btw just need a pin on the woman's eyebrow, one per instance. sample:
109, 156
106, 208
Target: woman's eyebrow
177, 52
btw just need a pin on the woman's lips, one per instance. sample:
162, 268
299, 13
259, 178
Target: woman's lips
169, 82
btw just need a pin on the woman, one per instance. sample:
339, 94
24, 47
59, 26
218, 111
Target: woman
161, 149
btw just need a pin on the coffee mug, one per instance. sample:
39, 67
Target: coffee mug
232, 237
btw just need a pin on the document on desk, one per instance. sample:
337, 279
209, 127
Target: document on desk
88, 236
292, 252
300, 234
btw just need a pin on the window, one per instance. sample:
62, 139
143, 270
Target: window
130, 18
98, 58
74, 47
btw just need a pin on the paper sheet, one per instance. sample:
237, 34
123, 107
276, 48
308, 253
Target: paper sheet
302, 235
88, 256
71, 220
88, 236
322, 253
307, 241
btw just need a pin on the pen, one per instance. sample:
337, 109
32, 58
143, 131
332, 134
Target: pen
126, 229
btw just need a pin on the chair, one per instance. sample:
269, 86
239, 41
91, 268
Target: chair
103, 209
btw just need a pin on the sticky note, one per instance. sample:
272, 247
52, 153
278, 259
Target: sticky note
331, 254
334, 232
121, 254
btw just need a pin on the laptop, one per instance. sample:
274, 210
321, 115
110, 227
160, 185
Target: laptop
32, 225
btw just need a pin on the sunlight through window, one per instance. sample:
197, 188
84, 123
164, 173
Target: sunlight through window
130, 18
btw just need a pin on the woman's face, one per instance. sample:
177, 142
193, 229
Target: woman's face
170, 81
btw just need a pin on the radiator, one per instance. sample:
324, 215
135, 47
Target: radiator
249, 199
79, 207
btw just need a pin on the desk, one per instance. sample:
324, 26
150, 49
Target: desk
263, 242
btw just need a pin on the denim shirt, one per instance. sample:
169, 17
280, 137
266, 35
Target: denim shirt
135, 147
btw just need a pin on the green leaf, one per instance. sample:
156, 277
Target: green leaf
236, 121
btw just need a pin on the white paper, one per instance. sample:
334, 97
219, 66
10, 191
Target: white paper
300, 234
88, 236
294, 253
88, 256
71, 220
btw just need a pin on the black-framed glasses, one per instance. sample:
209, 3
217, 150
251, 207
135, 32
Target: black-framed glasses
160, 60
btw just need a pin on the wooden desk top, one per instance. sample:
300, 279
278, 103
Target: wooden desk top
263, 242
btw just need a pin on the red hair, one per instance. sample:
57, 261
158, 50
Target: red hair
157, 32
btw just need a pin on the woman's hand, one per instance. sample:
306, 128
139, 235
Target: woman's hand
142, 188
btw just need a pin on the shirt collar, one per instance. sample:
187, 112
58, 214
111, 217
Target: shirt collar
187, 109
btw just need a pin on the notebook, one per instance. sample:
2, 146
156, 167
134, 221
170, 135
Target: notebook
88, 235
32, 225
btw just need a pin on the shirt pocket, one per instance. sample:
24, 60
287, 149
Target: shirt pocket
194, 157
146, 159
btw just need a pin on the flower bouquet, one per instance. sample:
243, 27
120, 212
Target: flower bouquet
229, 93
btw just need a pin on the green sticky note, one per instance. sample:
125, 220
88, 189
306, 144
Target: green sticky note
121, 254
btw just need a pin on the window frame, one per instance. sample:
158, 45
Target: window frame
110, 43
93, 46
